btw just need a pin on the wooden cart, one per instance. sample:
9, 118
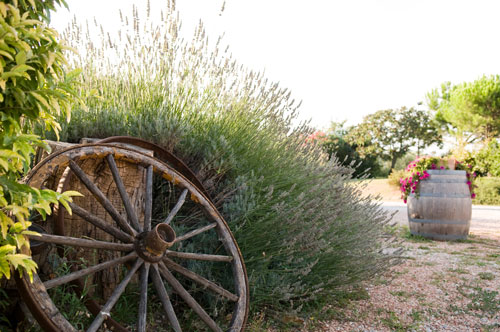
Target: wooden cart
144, 249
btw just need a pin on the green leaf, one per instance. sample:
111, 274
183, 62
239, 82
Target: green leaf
32, 3
5, 164
13, 74
3, 9
72, 193
6, 54
21, 58
40, 99
4, 267
5, 222
22, 261
31, 233
22, 67
7, 249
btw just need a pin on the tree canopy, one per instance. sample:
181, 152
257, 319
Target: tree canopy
391, 133
335, 144
470, 110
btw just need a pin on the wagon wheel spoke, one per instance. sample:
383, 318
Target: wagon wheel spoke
190, 301
177, 207
199, 257
117, 292
200, 280
82, 243
143, 303
120, 244
101, 198
195, 232
85, 272
165, 300
100, 223
148, 209
132, 216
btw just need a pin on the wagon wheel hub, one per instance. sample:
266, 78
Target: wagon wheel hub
152, 245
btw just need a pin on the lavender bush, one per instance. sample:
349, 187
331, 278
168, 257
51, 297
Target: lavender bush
303, 227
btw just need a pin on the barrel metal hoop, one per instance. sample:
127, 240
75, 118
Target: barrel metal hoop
439, 222
434, 180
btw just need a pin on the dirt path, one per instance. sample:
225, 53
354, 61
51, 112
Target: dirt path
387, 192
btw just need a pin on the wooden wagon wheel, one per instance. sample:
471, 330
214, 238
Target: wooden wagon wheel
153, 256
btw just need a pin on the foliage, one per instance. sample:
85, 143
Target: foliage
487, 160
335, 145
470, 110
303, 231
424, 129
391, 133
488, 191
394, 179
34, 90
416, 171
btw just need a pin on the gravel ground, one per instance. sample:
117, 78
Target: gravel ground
442, 286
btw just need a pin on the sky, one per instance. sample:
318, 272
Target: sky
343, 58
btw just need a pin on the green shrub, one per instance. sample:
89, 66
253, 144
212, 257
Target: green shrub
488, 191
35, 88
303, 231
335, 145
487, 160
395, 177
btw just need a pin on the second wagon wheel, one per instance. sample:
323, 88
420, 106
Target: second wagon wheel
173, 260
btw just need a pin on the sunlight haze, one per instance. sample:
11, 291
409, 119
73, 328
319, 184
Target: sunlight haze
343, 59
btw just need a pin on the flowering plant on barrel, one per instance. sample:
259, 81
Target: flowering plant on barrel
471, 176
417, 171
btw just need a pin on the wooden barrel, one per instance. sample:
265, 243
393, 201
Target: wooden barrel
444, 206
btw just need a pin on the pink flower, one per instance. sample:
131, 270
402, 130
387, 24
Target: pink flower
442, 167
469, 183
472, 196
404, 201
433, 166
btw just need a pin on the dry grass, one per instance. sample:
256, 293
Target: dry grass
381, 187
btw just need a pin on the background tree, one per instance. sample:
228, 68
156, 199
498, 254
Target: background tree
424, 129
391, 133
34, 88
335, 144
470, 110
